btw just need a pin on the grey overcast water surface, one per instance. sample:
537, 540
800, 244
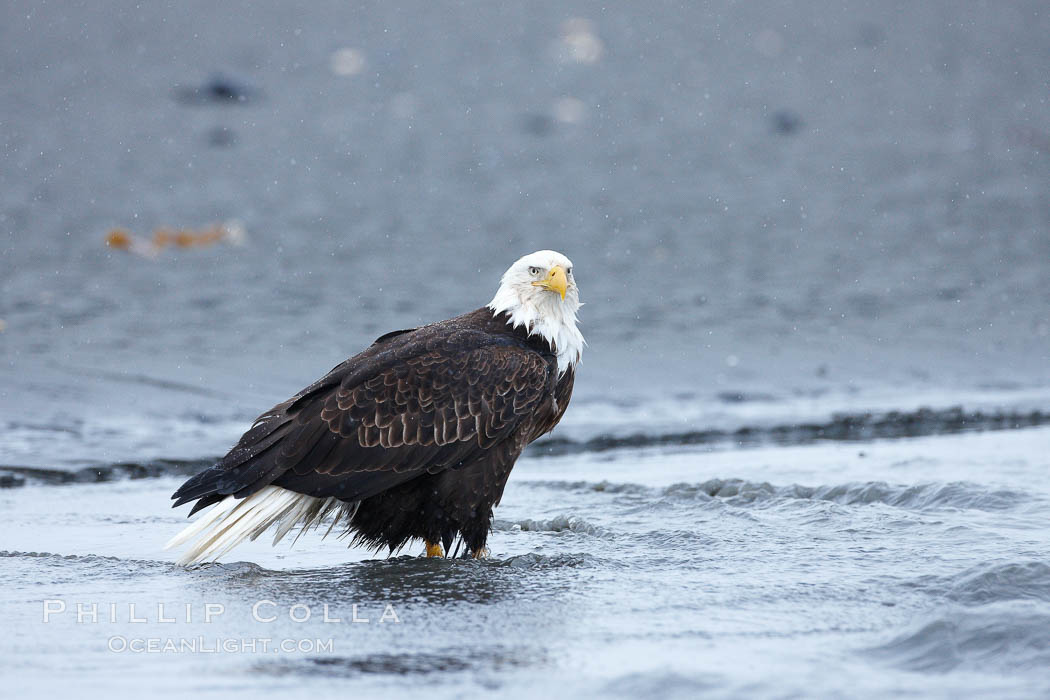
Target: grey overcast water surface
808, 451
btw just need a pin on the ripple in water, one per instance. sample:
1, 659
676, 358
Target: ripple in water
991, 583
1001, 637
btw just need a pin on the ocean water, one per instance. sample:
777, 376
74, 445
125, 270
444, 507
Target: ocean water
918, 566
808, 450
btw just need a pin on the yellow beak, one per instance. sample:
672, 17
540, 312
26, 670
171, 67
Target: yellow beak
556, 281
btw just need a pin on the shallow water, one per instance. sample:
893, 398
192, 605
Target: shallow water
807, 454
916, 565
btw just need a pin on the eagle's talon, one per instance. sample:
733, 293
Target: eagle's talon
482, 553
434, 550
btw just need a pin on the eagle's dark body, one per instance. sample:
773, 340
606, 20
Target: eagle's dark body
421, 429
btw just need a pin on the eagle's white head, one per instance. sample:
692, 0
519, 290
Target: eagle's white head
539, 292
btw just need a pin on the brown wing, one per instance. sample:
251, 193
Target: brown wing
404, 407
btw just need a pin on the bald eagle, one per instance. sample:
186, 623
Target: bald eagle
414, 438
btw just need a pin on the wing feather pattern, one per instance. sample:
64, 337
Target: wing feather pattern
415, 402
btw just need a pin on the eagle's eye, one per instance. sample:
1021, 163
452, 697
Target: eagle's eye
569, 271
534, 270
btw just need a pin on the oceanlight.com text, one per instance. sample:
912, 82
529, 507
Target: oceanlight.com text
217, 645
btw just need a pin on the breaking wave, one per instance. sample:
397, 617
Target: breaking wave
560, 523
850, 427
740, 492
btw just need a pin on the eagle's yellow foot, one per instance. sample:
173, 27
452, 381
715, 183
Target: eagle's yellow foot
434, 550
482, 553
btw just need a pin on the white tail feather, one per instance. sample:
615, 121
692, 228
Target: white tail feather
231, 521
